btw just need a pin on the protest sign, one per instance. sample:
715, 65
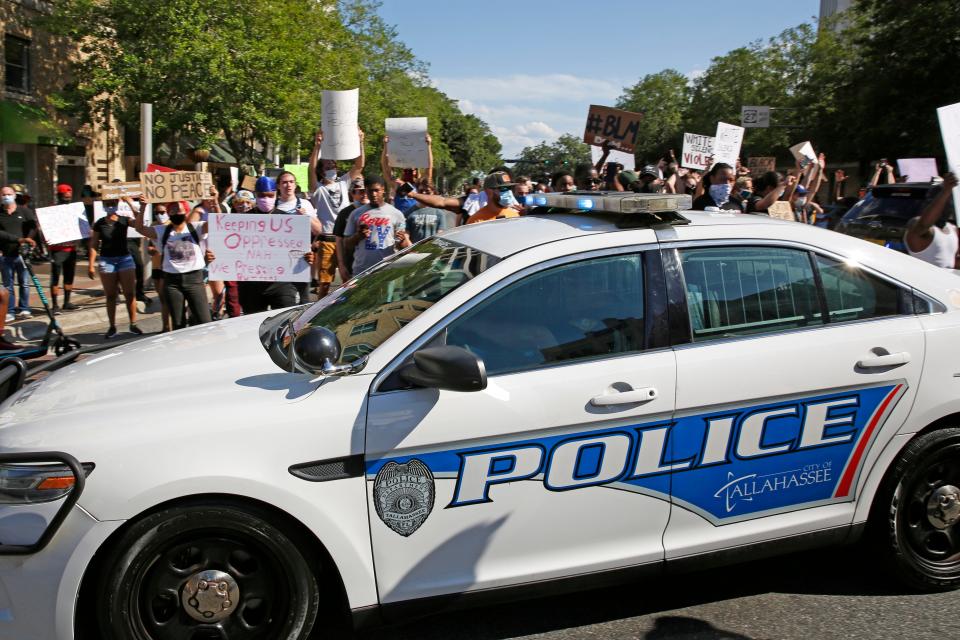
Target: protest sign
249, 183
782, 210
408, 142
918, 169
117, 190
341, 140
696, 150
804, 154
761, 165
123, 210
726, 146
63, 223
618, 127
950, 130
620, 157
163, 186
235, 178
301, 173
260, 247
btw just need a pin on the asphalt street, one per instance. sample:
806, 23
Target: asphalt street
833, 593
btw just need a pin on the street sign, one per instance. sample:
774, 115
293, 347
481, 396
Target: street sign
755, 117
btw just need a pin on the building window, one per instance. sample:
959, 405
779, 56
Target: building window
16, 56
366, 327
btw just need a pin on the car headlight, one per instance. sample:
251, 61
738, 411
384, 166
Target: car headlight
35, 483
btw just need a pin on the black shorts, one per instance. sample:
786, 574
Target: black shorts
62, 262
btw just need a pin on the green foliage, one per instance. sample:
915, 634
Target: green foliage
543, 160
662, 98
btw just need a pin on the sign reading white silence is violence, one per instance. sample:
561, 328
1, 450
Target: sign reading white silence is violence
260, 247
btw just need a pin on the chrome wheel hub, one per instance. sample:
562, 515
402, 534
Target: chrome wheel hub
210, 596
943, 507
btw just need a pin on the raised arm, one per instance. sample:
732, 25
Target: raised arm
605, 147
314, 161
838, 177
429, 159
360, 161
934, 210
142, 229
437, 201
876, 175
821, 169
386, 170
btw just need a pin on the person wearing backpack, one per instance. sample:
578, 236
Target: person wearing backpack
182, 248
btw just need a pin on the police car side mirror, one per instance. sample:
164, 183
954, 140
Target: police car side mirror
317, 348
446, 367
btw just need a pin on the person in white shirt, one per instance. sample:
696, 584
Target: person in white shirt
330, 195
931, 236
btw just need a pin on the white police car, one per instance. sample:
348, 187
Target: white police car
606, 387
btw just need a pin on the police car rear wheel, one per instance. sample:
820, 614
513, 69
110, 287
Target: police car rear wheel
200, 572
924, 515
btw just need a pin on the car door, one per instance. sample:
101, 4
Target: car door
799, 363
514, 484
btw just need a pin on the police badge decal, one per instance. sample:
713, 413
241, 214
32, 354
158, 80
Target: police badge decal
404, 494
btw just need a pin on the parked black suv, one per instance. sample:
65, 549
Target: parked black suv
882, 216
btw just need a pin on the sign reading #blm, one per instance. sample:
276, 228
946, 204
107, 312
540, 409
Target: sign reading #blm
619, 128
175, 185
261, 247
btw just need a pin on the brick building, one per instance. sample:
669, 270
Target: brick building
39, 147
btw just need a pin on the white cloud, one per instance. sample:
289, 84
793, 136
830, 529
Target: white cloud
693, 75
528, 88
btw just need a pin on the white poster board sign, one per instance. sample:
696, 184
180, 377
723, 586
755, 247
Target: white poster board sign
260, 247
726, 146
621, 157
124, 210
917, 169
63, 223
950, 130
803, 153
339, 113
696, 150
408, 142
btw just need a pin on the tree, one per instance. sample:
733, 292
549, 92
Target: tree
543, 160
662, 98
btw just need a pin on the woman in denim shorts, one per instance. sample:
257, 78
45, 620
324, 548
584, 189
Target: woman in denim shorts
108, 250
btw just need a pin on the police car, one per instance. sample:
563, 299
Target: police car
608, 388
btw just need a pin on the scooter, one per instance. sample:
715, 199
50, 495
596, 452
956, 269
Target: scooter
54, 335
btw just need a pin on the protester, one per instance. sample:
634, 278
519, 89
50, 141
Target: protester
409, 175
933, 235
474, 198
290, 203
108, 240
63, 261
560, 182
242, 202
521, 189
423, 221
885, 168
161, 217
329, 197
541, 187
719, 190
358, 196
767, 189
376, 230
500, 200
16, 228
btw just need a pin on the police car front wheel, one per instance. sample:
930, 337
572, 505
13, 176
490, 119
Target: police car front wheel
208, 572
923, 520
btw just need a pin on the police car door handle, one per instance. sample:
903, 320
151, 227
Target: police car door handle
888, 360
644, 394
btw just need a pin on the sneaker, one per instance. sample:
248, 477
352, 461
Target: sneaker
69, 306
56, 310
9, 346
111, 333
25, 314
143, 298
11, 317
135, 330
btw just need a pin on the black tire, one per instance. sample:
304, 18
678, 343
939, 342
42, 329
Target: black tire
922, 551
143, 578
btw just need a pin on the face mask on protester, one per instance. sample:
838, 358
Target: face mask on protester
177, 218
62, 199
330, 175
110, 209
720, 192
8, 199
801, 202
162, 217
506, 199
745, 193
266, 204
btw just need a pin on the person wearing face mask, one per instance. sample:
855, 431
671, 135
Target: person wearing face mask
63, 260
933, 235
358, 198
500, 199
16, 228
111, 253
375, 230
719, 190
330, 195
804, 209
161, 217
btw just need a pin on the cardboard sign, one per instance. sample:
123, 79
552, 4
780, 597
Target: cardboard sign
918, 169
696, 150
260, 247
408, 142
164, 186
249, 183
64, 223
782, 210
117, 190
726, 147
621, 157
804, 154
950, 130
761, 165
124, 211
339, 111
755, 117
618, 127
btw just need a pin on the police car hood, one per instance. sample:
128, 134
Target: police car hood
182, 381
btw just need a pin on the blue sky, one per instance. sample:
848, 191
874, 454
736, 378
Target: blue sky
531, 69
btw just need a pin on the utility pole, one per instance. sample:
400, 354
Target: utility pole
146, 157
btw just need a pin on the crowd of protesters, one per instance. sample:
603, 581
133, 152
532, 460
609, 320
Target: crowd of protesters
357, 220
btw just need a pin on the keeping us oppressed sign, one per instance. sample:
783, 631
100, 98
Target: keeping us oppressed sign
260, 247
619, 128
168, 186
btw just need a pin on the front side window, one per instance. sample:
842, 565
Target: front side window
584, 310
16, 56
852, 294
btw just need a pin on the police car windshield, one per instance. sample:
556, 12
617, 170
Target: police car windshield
367, 310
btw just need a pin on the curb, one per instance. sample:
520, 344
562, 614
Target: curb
36, 327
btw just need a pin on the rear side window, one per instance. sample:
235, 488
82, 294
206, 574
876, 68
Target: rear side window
737, 291
853, 294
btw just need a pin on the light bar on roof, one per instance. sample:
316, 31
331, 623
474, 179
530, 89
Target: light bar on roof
613, 201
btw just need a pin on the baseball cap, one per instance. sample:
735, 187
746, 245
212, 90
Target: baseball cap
20, 190
497, 180
245, 194
801, 190
650, 170
265, 183
64, 188
357, 183
627, 178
